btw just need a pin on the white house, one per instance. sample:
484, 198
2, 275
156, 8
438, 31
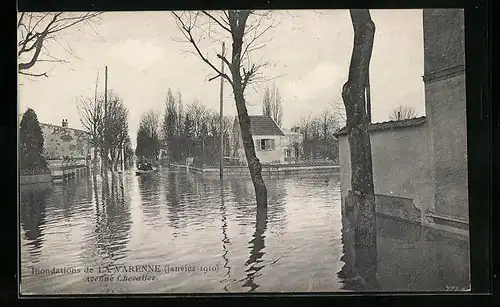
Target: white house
268, 140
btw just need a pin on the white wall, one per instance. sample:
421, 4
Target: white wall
402, 165
275, 155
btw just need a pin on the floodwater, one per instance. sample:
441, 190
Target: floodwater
200, 236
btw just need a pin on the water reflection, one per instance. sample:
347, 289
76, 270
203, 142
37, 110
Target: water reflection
226, 279
32, 213
257, 245
149, 192
359, 272
173, 201
296, 244
112, 220
244, 202
409, 258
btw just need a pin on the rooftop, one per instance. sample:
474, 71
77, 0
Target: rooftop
393, 124
289, 132
61, 127
264, 125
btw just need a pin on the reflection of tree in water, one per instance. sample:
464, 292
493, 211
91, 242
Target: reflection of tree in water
69, 197
257, 245
173, 197
226, 279
244, 199
149, 191
88, 186
32, 213
113, 220
276, 191
244, 196
359, 271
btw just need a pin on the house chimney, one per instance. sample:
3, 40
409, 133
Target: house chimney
65, 123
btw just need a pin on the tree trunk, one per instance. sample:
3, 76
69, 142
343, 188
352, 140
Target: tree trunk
362, 196
96, 156
254, 164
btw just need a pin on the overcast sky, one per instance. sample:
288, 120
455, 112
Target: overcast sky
308, 52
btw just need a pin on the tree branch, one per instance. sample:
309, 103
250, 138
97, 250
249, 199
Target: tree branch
33, 75
186, 30
57, 23
217, 21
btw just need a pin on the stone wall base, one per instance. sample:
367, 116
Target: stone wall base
31, 179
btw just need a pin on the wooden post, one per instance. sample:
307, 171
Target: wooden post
221, 112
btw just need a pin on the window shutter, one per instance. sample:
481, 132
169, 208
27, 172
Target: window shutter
271, 144
257, 144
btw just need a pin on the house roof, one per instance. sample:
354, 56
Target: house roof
61, 127
263, 125
393, 124
290, 132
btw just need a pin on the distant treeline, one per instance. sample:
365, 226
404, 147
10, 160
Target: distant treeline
318, 132
193, 131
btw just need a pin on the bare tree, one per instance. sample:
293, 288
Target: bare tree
107, 125
244, 28
272, 105
403, 112
148, 137
361, 197
338, 111
116, 124
91, 112
35, 29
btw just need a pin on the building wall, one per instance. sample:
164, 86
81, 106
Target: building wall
275, 155
60, 142
445, 102
444, 39
401, 164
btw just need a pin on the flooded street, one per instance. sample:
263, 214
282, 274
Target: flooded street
212, 238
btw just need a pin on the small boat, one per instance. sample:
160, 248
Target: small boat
142, 172
146, 168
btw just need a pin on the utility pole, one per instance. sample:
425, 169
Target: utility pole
105, 156
368, 99
221, 111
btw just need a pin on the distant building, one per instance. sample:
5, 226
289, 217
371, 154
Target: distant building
63, 141
292, 145
163, 151
420, 164
268, 140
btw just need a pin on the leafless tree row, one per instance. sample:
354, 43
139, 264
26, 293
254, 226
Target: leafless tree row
318, 133
148, 136
194, 132
403, 112
106, 121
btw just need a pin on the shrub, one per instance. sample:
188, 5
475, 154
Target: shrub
31, 161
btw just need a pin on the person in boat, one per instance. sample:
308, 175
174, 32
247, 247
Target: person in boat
145, 166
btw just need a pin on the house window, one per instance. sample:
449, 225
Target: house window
266, 144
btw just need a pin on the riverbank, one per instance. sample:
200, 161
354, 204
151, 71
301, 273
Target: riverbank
64, 169
267, 169
33, 179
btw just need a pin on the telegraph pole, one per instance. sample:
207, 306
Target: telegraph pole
105, 156
221, 111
